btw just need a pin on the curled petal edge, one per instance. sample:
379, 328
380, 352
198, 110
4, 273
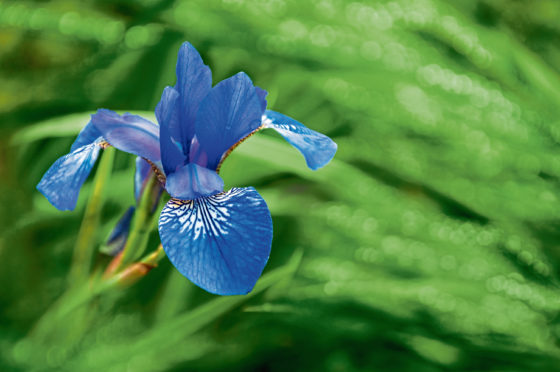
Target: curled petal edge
317, 148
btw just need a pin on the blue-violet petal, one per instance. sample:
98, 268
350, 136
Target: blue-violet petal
229, 112
221, 243
261, 93
129, 133
193, 181
89, 134
170, 137
317, 148
62, 182
194, 81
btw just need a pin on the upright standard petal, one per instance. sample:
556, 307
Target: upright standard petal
230, 112
193, 181
261, 93
194, 81
129, 133
173, 151
221, 243
62, 182
317, 148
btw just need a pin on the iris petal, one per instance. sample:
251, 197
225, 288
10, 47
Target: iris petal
89, 134
193, 181
317, 148
230, 112
221, 243
194, 81
261, 93
167, 113
62, 182
129, 133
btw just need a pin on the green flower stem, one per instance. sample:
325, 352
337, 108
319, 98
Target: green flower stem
84, 286
84, 249
141, 226
80, 295
165, 335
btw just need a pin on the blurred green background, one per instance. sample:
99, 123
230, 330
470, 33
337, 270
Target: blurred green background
431, 242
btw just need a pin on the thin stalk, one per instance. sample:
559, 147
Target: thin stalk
141, 226
81, 294
84, 249
154, 257
164, 335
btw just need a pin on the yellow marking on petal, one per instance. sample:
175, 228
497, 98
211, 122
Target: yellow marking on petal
175, 203
104, 144
159, 174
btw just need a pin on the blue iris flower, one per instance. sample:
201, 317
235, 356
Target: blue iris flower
218, 239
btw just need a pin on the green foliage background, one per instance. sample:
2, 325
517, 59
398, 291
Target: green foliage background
430, 243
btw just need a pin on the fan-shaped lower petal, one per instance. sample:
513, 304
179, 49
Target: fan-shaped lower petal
221, 243
62, 182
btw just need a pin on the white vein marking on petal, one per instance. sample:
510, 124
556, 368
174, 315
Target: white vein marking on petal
206, 215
